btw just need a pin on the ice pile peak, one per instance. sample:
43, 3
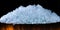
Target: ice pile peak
32, 14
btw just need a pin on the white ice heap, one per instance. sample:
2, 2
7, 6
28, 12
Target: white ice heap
32, 14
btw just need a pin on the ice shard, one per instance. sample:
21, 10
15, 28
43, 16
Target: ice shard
32, 14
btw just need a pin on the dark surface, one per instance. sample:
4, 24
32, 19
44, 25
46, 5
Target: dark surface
54, 25
9, 5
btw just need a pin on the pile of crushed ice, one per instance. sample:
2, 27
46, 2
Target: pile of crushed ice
32, 14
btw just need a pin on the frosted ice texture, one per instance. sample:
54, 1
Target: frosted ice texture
32, 14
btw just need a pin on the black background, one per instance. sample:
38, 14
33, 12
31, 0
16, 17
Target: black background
9, 5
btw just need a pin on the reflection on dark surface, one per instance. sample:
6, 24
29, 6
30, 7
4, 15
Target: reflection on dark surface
53, 26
